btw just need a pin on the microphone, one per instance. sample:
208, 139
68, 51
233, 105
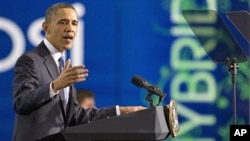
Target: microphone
142, 83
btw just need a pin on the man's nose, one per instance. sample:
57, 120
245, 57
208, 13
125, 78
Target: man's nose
69, 28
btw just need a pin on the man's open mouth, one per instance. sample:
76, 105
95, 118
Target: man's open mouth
68, 37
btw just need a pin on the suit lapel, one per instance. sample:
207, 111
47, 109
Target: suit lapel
48, 61
51, 67
52, 70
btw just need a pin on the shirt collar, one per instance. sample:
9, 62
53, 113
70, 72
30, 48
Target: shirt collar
53, 51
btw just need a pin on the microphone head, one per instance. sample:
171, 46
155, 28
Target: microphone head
138, 81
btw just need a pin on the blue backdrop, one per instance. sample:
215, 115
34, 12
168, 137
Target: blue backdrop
120, 38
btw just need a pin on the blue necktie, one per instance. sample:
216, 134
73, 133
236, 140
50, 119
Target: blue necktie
65, 94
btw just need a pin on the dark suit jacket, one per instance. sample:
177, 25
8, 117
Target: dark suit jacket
38, 115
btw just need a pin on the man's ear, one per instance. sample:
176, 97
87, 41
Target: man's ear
45, 26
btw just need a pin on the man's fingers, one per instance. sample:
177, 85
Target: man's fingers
74, 74
76, 68
77, 72
138, 108
67, 64
76, 80
79, 76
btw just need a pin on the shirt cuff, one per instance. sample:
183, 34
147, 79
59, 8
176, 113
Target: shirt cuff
51, 91
117, 108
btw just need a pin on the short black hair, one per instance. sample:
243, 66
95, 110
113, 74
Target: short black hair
83, 94
53, 9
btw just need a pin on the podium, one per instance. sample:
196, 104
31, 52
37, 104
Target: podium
153, 124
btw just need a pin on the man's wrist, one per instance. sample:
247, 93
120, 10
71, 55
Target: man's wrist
55, 90
52, 93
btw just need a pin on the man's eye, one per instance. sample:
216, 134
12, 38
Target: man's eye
62, 22
75, 23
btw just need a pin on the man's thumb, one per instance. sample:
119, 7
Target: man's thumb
67, 64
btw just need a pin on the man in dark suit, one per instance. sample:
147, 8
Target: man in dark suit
43, 93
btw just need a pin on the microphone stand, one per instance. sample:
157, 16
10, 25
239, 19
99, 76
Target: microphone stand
149, 97
232, 68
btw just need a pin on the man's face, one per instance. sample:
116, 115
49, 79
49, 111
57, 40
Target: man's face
61, 30
88, 102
